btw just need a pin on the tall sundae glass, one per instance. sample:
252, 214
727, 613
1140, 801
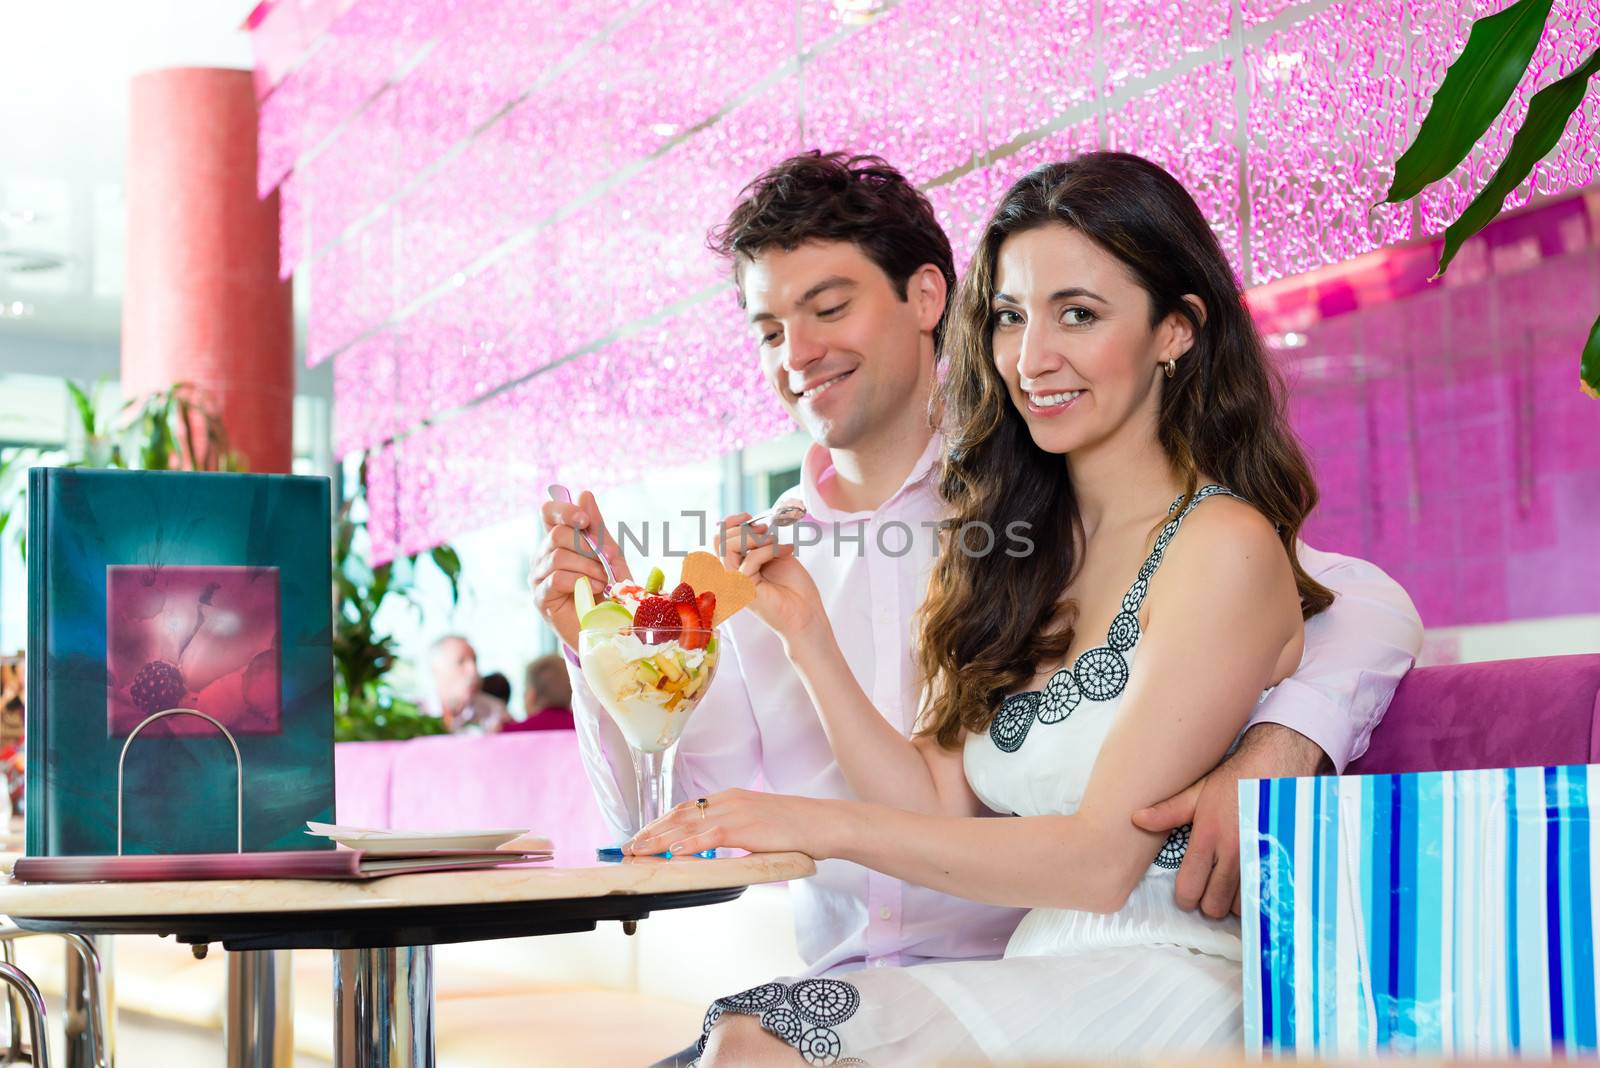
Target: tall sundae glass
649, 658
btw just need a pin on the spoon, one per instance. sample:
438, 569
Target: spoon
560, 493
783, 514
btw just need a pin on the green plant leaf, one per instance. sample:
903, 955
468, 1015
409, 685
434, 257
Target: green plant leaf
1590, 369
448, 561
85, 406
186, 433
1548, 114
1475, 90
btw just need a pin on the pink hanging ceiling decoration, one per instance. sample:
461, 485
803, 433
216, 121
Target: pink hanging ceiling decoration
501, 207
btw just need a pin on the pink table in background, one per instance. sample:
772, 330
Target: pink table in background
533, 779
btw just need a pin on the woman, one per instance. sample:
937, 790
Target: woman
1107, 388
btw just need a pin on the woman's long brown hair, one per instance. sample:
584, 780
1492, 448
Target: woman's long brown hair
992, 619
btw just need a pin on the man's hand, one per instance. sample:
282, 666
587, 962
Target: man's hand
564, 556
1209, 875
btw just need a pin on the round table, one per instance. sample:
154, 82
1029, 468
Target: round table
382, 932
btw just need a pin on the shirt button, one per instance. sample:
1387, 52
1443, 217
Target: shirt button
886, 914
879, 963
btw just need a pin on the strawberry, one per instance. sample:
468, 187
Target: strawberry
691, 636
707, 604
683, 594
659, 615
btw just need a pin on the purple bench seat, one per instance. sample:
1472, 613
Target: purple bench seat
1497, 714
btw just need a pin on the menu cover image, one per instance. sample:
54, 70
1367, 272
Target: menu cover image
157, 590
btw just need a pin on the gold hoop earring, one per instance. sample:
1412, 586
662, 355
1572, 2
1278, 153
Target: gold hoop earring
1170, 367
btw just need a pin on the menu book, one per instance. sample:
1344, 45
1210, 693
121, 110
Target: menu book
322, 864
154, 591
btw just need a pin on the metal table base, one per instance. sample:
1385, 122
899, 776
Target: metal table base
383, 1007
259, 1026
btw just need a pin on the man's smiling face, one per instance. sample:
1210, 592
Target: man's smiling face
838, 342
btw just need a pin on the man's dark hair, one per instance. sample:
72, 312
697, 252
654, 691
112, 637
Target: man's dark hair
496, 685
834, 196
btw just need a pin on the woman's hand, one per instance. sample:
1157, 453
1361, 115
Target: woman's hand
787, 599
742, 819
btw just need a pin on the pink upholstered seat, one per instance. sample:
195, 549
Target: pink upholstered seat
1499, 714
532, 779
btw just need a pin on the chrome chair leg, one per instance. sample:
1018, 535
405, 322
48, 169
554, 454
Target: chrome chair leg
95, 1024
85, 1020
17, 980
14, 1050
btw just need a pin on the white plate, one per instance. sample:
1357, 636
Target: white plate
402, 841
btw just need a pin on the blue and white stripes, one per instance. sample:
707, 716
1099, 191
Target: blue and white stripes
1444, 913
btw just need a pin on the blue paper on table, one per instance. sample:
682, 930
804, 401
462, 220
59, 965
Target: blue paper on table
154, 590
1444, 913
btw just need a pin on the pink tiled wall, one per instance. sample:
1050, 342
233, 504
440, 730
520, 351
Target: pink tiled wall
1452, 446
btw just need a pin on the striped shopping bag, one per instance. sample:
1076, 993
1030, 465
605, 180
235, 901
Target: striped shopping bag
1444, 913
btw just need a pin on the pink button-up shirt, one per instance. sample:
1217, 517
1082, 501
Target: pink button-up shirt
756, 725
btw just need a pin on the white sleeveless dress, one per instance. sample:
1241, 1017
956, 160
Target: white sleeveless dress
1145, 982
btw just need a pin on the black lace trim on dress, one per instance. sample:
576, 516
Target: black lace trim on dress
803, 1014
1172, 851
1099, 674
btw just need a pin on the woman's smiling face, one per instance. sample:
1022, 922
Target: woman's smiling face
1073, 341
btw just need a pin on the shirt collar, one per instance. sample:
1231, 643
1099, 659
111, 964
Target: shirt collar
817, 468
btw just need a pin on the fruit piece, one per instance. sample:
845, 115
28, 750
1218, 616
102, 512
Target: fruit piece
669, 667
654, 581
159, 685
711, 646
706, 603
691, 636
683, 593
607, 616
648, 671
582, 597
660, 615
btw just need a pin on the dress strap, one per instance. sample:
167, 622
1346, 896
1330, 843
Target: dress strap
1134, 598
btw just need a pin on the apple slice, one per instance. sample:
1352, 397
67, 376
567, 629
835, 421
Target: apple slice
582, 597
608, 617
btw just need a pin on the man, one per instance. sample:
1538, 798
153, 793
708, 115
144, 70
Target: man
458, 695
844, 273
546, 696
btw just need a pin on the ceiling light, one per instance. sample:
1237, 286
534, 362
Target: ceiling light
858, 12
15, 310
1279, 65
29, 260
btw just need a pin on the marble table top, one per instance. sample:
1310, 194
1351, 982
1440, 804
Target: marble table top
528, 883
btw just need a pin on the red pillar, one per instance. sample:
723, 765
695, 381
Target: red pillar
202, 302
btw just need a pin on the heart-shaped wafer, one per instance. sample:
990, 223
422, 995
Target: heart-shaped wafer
704, 572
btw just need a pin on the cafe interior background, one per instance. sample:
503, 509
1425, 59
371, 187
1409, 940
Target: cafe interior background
487, 220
